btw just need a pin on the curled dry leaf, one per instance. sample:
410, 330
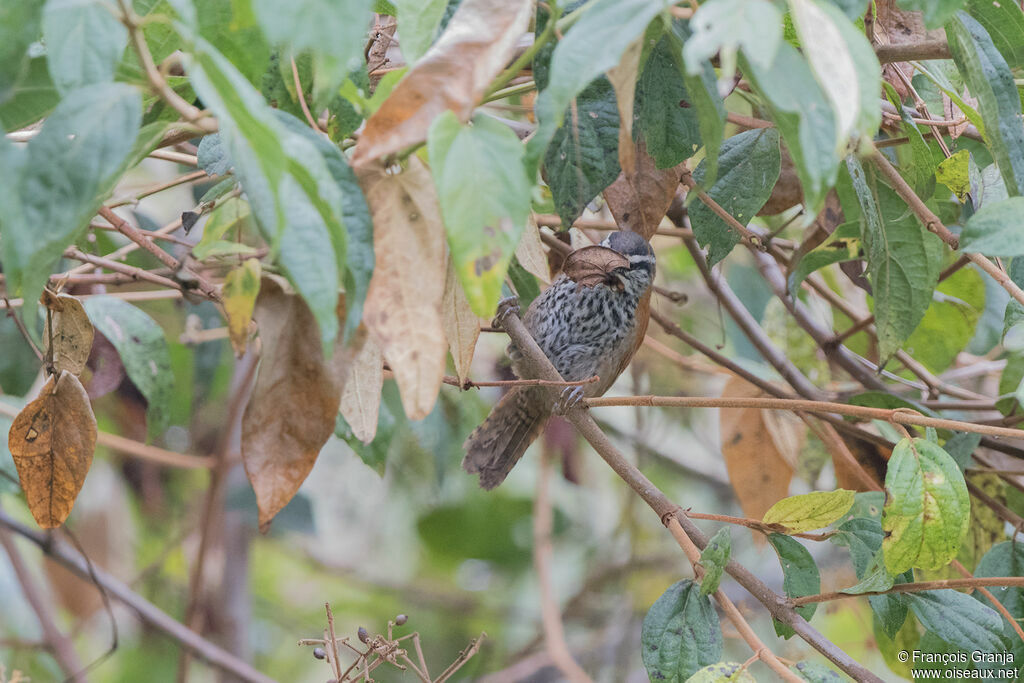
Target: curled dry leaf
461, 325
531, 254
890, 25
294, 403
591, 266
623, 80
639, 200
760, 474
241, 286
482, 35
403, 304
360, 398
52, 441
72, 332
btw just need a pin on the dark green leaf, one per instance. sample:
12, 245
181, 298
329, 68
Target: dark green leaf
84, 42
33, 97
800, 576
748, 166
903, 260
989, 79
1004, 22
18, 364
69, 169
681, 634
958, 619
804, 117
526, 287
863, 536
713, 559
666, 118
996, 229
927, 509
484, 194
1006, 559
140, 343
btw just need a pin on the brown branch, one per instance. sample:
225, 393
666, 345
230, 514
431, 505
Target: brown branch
537, 364
131, 271
158, 187
751, 238
901, 416
150, 614
302, 99
929, 49
915, 588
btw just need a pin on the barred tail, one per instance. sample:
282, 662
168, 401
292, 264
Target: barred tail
493, 449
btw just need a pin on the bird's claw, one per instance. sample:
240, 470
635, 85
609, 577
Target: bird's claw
570, 398
506, 307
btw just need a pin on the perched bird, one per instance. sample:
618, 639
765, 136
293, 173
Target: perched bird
585, 330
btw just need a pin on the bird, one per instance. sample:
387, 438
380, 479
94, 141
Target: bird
584, 331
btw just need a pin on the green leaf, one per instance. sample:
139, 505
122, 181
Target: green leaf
84, 42
724, 27
949, 323
582, 159
804, 117
714, 558
1011, 385
680, 634
958, 619
927, 508
69, 169
526, 287
1005, 559
332, 31
748, 166
294, 195
140, 343
18, 364
484, 194
844, 65
418, 21
961, 446
863, 537
810, 510
890, 646
33, 97
800, 576
666, 118
19, 27
1004, 22
591, 47
211, 156
996, 229
722, 672
815, 672
842, 245
989, 79
903, 260
935, 12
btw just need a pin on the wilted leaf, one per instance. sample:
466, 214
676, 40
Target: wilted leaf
594, 265
294, 402
811, 510
461, 325
52, 441
72, 332
759, 473
927, 508
140, 343
360, 398
680, 634
639, 200
482, 33
403, 305
241, 285
952, 173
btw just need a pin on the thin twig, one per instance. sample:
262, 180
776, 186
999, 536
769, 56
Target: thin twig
917, 587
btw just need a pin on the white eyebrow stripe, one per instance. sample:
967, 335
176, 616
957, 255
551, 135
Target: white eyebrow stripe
641, 258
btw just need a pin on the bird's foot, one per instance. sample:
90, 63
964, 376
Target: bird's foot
506, 307
571, 398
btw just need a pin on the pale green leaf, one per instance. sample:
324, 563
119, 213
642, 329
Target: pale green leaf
418, 22
810, 510
996, 229
84, 42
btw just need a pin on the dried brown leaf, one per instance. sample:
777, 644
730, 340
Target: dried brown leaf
461, 325
639, 200
477, 44
72, 332
403, 304
107, 369
52, 441
890, 25
360, 399
952, 112
531, 254
294, 403
593, 265
759, 473
623, 79
787, 192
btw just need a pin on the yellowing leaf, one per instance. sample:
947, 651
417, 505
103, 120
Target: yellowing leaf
403, 304
952, 173
461, 325
360, 399
241, 285
295, 401
476, 45
52, 441
72, 332
811, 510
